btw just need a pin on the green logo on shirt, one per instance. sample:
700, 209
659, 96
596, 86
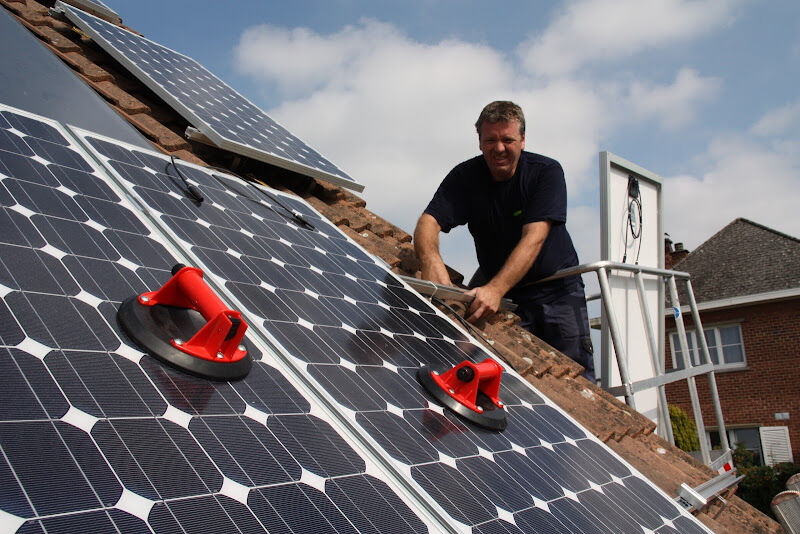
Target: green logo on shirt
517, 213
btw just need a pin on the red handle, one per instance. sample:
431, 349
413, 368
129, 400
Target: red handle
220, 339
463, 382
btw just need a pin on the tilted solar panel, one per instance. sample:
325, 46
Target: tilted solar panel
223, 115
358, 335
96, 436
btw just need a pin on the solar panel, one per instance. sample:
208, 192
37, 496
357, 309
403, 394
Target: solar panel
95, 436
220, 113
97, 8
358, 334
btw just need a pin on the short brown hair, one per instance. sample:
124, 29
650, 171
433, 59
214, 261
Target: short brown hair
501, 111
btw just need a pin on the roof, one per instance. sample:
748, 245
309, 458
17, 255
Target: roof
744, 258
627, 432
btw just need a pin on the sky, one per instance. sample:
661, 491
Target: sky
703, 93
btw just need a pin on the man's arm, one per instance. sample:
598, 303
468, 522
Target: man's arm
426, 245
487, 298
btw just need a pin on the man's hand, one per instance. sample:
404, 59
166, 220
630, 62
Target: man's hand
426, 245
485, 302
487, 298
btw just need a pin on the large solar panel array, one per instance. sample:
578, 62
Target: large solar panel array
97, 437
346, 325
218, 111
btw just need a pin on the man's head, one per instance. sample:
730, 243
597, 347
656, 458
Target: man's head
501, 137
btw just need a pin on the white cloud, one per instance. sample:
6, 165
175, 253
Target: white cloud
779, 121
672, 105
397, 114
746, 178
611, 30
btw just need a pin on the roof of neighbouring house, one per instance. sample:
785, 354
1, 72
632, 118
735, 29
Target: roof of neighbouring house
744, 258
621, 428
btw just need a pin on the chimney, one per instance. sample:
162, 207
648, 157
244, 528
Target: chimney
671, 257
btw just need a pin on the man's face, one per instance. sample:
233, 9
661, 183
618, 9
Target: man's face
501, 144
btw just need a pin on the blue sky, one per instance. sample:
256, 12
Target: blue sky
705, 93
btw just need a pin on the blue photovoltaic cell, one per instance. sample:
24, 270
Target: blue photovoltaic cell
97, 437
360, 335
213, 107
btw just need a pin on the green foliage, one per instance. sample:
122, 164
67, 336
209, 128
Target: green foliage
762, 482
683, 429
743, 457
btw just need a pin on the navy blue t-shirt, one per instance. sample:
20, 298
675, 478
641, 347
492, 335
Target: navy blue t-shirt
495, 212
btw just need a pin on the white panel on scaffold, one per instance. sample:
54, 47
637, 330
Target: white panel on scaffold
632, 232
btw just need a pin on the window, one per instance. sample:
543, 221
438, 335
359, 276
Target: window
769, 444
724, 346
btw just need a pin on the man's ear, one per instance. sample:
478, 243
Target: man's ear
523, 141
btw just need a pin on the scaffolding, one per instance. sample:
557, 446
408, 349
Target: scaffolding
629, 388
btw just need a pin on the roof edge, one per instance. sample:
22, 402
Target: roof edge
764, 227
745, 300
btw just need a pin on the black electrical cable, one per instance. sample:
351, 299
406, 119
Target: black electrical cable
634, 200
192, 190
296, 215
636, 233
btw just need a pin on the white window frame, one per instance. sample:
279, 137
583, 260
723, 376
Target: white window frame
694, 351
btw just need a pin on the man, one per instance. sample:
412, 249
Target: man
515, 206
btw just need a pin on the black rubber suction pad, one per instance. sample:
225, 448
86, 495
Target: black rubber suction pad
153, 327
492, 417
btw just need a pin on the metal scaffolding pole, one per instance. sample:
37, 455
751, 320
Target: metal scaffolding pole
619, 349
712, 380
698, 413
657, 364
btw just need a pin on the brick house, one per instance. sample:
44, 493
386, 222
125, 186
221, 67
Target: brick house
746, 280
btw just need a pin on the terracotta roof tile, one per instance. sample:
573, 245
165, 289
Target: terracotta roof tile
353, 200
409, 262
328, 191
159, 133
335, 212
33, 13
52, 37
121, 99
88, 69
385, 249
359, 221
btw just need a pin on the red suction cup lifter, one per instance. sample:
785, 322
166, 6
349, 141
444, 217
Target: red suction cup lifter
469, 390
220, 340
463, 382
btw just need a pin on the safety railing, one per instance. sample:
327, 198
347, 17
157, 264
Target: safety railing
628, 387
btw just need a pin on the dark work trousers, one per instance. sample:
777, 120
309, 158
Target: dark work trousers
563, 323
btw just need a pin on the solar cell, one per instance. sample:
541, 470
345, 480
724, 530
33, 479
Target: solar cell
96, 436
359, 344
218, 111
